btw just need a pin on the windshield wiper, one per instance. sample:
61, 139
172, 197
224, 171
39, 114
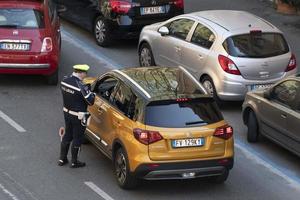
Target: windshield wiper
9, 26
195, 122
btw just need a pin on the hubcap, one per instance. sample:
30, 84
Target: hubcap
120, 165
100, 31
209, 87
145, 57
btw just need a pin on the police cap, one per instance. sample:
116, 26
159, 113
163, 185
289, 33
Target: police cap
81, 67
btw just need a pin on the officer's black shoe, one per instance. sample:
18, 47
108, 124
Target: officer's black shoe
77, 164
62, 162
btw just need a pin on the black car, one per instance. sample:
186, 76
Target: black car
109, 19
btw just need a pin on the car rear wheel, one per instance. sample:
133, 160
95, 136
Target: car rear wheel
101, 32
252, 135
121, 168
221, 178
53, 78
146, 56
208, 84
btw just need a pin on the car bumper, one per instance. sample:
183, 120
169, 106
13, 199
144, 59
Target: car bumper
184, 170
235, 88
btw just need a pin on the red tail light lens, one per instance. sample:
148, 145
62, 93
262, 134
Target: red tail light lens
47, 45
228, 65
147, 137
179, 3
224, 132
292, 63
120, 7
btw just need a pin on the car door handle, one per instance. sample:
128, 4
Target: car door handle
283, 116
100, 110
200, 56
178, 49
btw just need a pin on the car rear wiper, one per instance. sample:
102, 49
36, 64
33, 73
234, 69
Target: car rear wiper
9, 26
195, 122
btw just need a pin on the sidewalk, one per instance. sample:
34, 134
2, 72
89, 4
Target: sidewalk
289, 24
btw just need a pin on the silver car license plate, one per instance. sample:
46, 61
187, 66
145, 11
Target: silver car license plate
260, 86
15, 46
195, 142
153, 10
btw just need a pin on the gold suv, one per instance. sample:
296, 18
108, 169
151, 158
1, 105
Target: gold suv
159, 123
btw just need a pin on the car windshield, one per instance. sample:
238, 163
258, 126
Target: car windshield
21, 18
182, 114
256, 45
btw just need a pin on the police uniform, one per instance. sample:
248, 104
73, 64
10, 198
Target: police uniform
76, 98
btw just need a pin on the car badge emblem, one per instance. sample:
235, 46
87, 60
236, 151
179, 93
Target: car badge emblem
15, 32
153, 2
264, 74
189, 134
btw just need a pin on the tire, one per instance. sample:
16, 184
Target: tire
102, 32
146, 58
221, 178
121, 169
53, 78
252, 135
209, 85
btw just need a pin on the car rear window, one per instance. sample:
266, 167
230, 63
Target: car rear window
256, 45
21, 18
182, 114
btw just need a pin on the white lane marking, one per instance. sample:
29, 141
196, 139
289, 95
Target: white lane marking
67, 36
12, 122
252, 156
6, 191
100, 192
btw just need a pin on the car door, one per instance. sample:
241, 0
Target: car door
293, 120
99, 122
169, 48
194, 54
275, 112
55, 23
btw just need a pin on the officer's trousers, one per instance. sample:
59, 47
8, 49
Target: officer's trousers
74, 131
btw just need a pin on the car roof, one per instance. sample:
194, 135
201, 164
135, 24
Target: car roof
231, 20
162, 83
35, 4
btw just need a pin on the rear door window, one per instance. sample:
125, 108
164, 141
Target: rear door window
21, 18
256, 45
181, 114
203, 36
180, 28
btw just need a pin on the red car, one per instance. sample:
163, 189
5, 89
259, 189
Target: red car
30, 38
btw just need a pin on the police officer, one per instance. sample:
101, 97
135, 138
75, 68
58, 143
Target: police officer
76, 98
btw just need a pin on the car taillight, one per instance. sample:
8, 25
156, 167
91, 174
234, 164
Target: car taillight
179, 3
47, 45
146, 137
228, 65
120, 7
292, 63
224, 132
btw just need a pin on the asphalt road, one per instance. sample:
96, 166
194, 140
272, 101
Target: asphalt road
31, 113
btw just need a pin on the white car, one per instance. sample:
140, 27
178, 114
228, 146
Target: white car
229, 52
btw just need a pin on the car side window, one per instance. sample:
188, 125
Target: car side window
286, 93
125, 101
180, 28
105, 87
203, 36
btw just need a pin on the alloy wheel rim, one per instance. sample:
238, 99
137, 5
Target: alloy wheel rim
121, 169
145, 57
100, 31
209, 87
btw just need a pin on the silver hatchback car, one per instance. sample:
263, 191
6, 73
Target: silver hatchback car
229, 52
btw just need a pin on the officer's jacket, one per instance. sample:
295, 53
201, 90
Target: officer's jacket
76, 95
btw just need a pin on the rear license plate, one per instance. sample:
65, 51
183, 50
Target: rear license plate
259, 87
196, 142
15, 46
153, 10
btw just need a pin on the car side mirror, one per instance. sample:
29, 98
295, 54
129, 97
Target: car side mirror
164, 31
61, 8
267, 94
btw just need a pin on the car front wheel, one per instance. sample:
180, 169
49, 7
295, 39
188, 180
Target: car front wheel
121, 167
102, 32
146, 56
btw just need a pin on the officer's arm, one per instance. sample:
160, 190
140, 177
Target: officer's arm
87, 94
